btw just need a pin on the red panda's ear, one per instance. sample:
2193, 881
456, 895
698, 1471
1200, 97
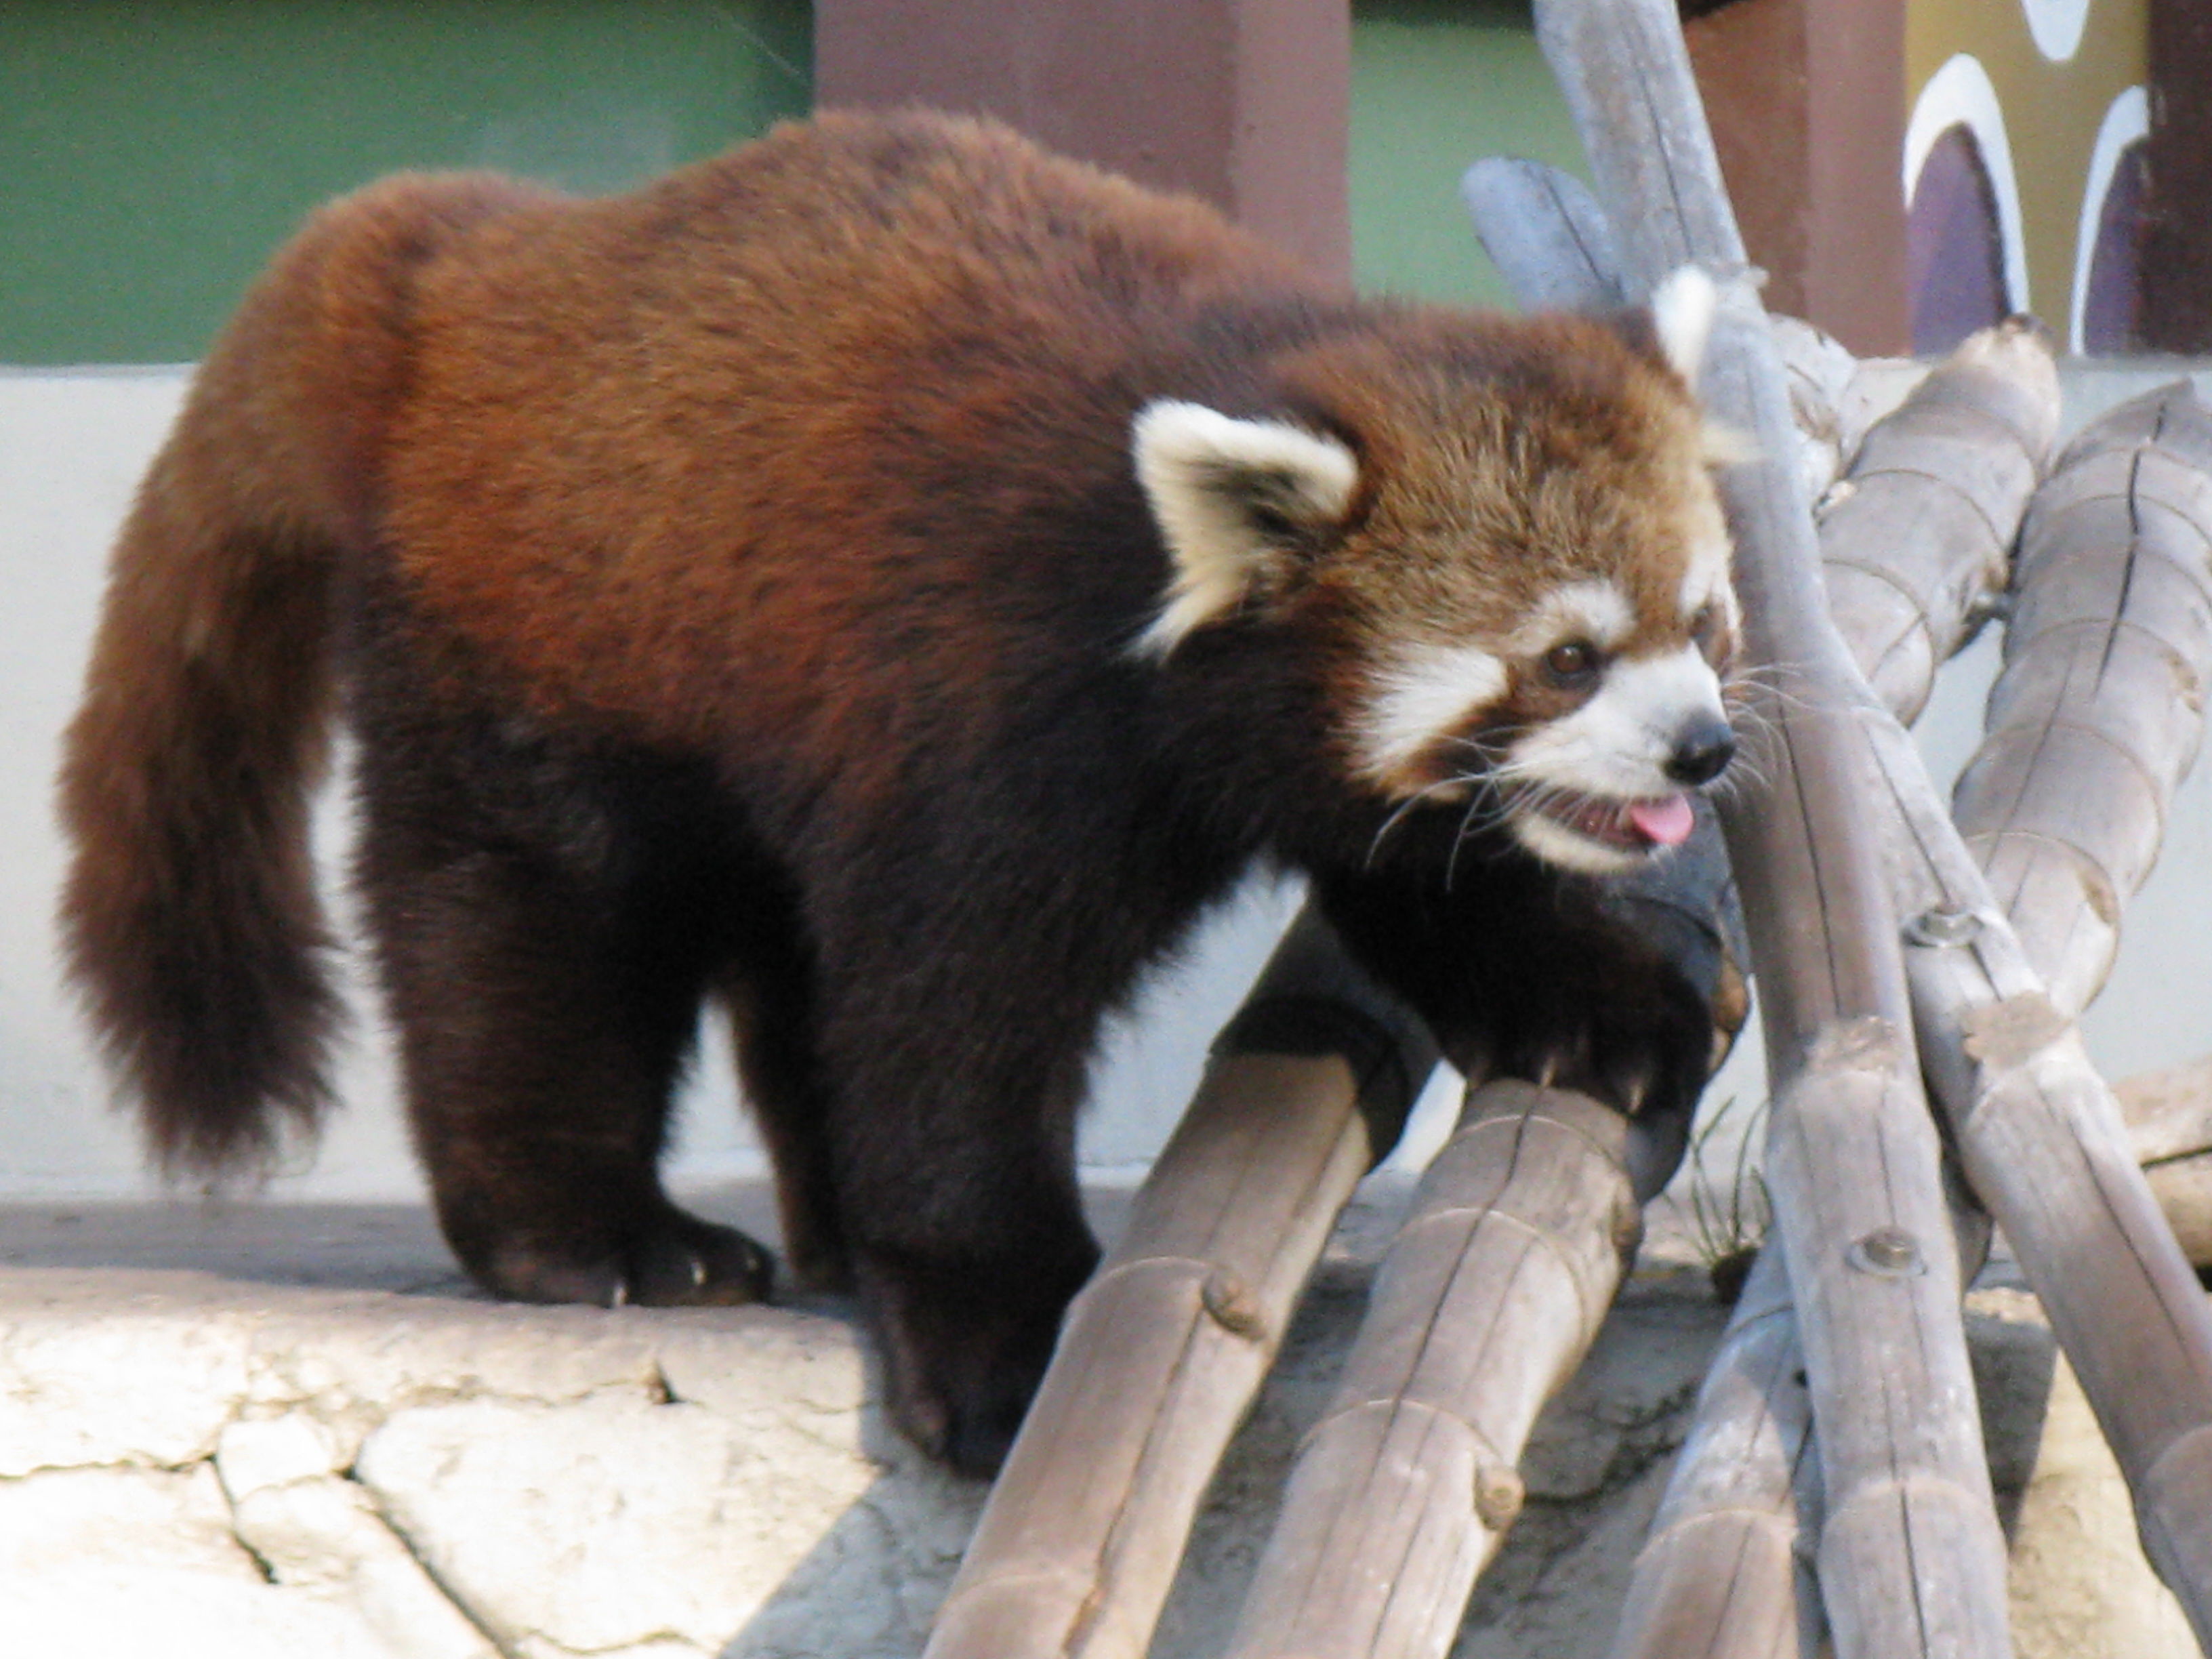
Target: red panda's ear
1233, 499
1682, 308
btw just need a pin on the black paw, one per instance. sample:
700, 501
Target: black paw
965, 1348
674, 1260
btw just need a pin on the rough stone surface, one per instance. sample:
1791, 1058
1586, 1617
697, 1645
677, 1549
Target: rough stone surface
193, 1463
2081, 1589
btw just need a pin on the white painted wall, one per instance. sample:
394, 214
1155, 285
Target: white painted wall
71, 447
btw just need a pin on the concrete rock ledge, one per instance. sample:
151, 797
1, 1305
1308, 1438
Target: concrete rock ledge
191, 1465
197, 1463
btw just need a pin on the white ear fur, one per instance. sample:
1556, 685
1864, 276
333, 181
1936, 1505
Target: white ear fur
1208, 478
1682, 308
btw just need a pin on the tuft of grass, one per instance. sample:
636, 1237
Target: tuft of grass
1729, 1216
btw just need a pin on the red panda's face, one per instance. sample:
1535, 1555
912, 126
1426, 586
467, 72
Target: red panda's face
1523, 578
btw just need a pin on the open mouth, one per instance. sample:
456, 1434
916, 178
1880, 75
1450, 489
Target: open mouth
1634, 826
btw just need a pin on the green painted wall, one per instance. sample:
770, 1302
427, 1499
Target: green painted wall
1437, 84
152, 154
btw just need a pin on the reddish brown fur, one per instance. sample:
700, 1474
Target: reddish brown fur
733, 583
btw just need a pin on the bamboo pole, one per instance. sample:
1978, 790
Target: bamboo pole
1487, 1303
2095, 718
1911, 1559
1546, 234
2108, 656
2037, 1129
2169, 1118
1912, 545
1162, 1351
1916, 542
1722, 1574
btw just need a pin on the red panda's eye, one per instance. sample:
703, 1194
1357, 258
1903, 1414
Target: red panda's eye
1571, 664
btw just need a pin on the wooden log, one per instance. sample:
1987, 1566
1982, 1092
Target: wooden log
2043, 1144
2118, 690
1899, 1443
2097, 713
1487, 1303
2169, 1119
2037, 1130
1743, 1483
1162, 1351
1915, 541
1722, 1575
1546, 234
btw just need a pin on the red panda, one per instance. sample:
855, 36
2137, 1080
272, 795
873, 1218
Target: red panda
886, 581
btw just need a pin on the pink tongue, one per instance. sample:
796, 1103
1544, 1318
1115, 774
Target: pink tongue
1663, 823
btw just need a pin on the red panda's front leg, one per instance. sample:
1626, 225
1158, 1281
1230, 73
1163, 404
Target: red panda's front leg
1523, 972
956, 1057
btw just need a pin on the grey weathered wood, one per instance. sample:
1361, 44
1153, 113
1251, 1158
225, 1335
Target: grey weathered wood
2043, 1145
1917, 534
2109, 665
1919, 550
1915, 541
1487, 1303
1721, 1574
2169, 1119
1899, 1443
2097, 713
1162, 1351
2037, 1129
1546, 234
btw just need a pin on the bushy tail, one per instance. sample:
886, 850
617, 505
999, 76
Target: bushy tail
189, 918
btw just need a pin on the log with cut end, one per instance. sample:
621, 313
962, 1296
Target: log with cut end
1164, 1349
1824, 941
2169, 1119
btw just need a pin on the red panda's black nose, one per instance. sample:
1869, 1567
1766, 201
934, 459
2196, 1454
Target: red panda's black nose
1701, 752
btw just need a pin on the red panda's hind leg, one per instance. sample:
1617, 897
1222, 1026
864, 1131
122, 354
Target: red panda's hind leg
543, 1026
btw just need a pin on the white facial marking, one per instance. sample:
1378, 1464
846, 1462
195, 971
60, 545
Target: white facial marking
1191, 461
1429, 691
1555, 844
1706, 581
1682, 307
1596, 611
1617, 744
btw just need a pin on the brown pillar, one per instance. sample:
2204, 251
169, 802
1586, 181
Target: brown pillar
2176, 312
1243, 102
1807, 101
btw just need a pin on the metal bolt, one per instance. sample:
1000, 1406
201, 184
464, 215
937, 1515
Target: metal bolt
1498, 1493
1887, 1253
1944, 924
